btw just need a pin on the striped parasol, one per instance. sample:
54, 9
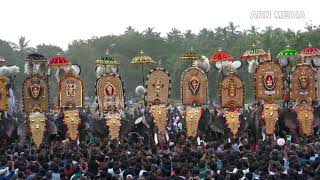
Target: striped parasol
254, 53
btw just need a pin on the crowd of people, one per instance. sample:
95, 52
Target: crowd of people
182, 158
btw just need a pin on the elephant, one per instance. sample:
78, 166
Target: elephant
213, 124
128, 118
288, 122
62, 128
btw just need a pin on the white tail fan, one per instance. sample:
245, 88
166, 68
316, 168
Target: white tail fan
252, 67
316, 61
140, 91
203, 64
236, 64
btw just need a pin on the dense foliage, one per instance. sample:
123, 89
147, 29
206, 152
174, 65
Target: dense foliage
166, 48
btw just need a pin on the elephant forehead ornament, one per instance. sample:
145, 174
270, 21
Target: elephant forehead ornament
270, 116
233, 121
37, 125
72, 121
113, 121
305, 118
193, 115
159, 113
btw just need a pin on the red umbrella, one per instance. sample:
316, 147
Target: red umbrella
59, 61
310, 51
221, 56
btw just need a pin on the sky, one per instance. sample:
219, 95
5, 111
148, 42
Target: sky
58, 22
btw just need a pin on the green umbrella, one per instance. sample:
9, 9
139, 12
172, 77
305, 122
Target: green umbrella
287, 54
108, 63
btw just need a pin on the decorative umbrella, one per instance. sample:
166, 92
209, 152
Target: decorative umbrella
287, 54
107, 63
311, 54
36, 58
254, 53
2, 61
142, 59
221, 56
224, 56
59, 61
33, 60
107, 60
191, 55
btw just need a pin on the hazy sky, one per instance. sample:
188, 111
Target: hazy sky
59, 22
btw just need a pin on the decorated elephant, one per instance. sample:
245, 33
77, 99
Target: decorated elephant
131, 123
289, 124
83, 128
213, 125
25, 132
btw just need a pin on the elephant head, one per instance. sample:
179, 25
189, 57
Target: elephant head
24, 130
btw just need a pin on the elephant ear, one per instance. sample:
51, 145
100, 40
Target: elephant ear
316, 121
218, 124
99, 127
51, 128
215, 128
